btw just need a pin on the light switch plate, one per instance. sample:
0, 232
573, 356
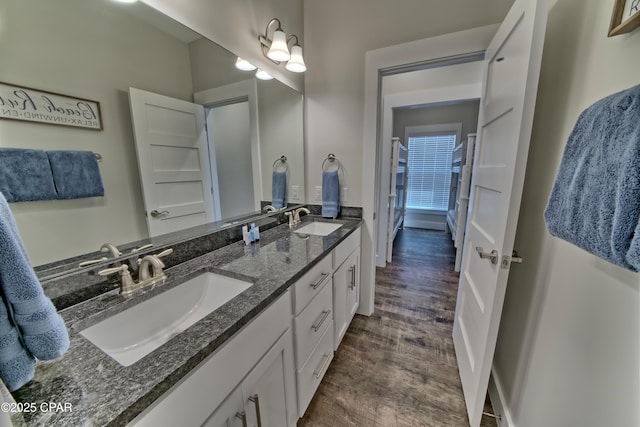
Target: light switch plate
319, 194
295, 193
344, 194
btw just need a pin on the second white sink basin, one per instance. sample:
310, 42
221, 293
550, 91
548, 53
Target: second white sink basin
132, 334
318, 228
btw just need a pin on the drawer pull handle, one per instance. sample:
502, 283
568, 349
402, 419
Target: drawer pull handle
352, 283
243, 416
256, 401
325, 360
325, 314
320, 280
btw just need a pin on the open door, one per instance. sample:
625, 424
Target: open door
512, 68
173, 159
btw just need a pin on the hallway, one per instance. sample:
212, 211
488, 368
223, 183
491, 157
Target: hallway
398, 367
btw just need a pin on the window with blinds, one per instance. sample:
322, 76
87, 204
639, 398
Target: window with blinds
429, 177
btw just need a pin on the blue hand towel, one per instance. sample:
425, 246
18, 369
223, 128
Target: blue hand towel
330, 194
25, 175
16, 364
76, 174
279, 190
41, 328
595, 200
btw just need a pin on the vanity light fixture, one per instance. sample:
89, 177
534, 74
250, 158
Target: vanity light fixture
126, 1
244, 65
296, 62
276, 48
263, 75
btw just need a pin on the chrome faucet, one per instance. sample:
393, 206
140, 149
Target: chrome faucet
297, 212
291, 215
149, 273
108, 247
144, 277
294, 216
269, 208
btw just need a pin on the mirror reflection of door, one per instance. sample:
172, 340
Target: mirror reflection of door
229, 132
173, 160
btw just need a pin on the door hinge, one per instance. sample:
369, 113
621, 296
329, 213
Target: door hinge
374, 216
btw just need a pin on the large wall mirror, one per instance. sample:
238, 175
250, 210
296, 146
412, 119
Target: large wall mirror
98, 50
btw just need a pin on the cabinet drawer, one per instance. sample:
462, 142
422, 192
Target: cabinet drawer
342, 251
310, 284
311, 324
311, 374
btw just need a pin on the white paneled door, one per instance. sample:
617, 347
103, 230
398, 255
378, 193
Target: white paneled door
173, 159
512, 68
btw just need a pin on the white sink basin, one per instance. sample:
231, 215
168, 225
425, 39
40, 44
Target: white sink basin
130, 335
318, 228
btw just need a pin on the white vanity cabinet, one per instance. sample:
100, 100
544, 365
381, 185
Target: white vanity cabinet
249, 381
346, 284
313, 323
325, 300
261, 398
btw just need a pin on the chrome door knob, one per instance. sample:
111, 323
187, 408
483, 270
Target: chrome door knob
491, 256
155, 213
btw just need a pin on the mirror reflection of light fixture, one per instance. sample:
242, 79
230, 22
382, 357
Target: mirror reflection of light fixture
276, 48
263, 75
244, 65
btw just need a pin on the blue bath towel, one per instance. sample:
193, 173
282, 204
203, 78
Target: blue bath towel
279, 190
25, 175
42, 330
76, 174
595, 200
16, 364
330, 194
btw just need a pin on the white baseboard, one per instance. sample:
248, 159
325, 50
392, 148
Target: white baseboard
498, 401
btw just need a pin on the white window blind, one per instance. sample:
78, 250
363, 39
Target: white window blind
429, 176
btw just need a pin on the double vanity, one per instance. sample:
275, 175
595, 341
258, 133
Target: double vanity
238, 336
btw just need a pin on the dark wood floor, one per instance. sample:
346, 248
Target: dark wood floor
398, 367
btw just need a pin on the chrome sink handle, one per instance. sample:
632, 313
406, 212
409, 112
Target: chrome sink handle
127, 285
291, 218
92, 261
141, 248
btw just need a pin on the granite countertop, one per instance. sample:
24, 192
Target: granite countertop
102, 392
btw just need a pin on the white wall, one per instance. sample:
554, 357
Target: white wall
281, 133
568, 348
73, 47
337, 35
236, 25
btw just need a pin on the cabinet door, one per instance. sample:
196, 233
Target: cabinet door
341, 280
353, 285
269, 389
230, 413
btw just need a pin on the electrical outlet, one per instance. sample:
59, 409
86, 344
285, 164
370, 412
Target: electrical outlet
319, 194
295, 193
344, 194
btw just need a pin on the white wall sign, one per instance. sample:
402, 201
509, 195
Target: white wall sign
22, 103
